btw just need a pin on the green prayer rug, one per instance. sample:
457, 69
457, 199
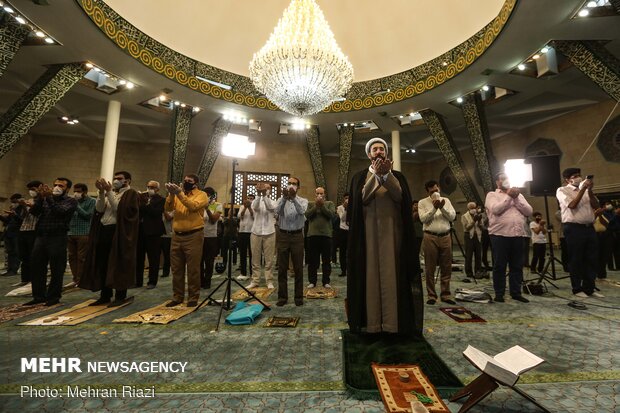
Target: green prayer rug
360, 350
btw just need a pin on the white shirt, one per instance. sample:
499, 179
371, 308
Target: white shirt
582, 214
342, 213
210, 229
436, 220
108, 204
264, 219
245, 223
475, 227
539, 238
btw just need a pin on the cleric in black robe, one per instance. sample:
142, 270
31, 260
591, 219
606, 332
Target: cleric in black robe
406, 288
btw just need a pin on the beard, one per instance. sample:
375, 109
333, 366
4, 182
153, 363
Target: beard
379, 156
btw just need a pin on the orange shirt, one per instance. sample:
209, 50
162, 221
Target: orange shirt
188, 210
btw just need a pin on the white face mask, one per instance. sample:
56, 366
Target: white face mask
77, 195
57, 190
506, 184
118, 184
575, 181
14, 204
32, 193
472, 211
435, 195
151, 192
609, 207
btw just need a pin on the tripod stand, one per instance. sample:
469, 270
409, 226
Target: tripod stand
545, 275
227, 282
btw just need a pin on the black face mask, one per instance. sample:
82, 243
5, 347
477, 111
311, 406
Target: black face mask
188, 186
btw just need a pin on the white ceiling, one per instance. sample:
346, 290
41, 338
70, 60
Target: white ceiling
380, 38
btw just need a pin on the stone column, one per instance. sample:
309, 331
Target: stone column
396, 150
110, 139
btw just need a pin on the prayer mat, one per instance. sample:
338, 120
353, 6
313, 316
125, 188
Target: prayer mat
158, 315
360, 350
262, 293
402, 384
75, 315
20, 291
320, 292
11, 312
282, 322
461, 315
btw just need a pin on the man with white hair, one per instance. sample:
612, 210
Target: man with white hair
473, 225
384, 289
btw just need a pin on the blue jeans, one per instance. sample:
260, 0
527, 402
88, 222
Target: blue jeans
582, 246
507, 251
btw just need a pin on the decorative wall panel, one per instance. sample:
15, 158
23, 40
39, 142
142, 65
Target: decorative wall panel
475, 119
594, 61
314, 150
446, 145
212, 151
181, 123
36, 102
12, 34
344, 160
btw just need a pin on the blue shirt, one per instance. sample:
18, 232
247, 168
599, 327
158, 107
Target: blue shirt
291, 213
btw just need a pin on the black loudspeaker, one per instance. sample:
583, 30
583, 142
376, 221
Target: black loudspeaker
546, 177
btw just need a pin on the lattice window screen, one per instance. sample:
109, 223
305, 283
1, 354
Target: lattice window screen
245, 183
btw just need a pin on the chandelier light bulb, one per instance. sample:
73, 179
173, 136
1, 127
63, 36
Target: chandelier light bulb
301, 69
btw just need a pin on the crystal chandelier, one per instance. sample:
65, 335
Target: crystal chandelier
301, 69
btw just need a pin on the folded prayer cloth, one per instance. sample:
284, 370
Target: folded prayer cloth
244, 314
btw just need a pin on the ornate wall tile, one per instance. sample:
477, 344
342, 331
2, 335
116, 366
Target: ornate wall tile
475, 119
363, 95
344, 160
212, 151
36, 102
446, 145
181, 124
314, 150
12, 34
608, 142
594, 61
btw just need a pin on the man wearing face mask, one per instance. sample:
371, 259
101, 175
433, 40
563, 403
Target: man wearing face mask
55, 210
539, 243
150, 232
320, 214
578, 203
472, 222
436, 213
27, 233
79, 228
12, 219
188, 204
263, 237
507, 210
384, 288
111, 258
291, 209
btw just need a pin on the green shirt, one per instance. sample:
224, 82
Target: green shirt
80, 223
320, 219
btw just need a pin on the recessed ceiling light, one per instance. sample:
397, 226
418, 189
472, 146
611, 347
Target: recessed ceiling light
183, 105
76, 121
459, 100
162, 97
9, 10
129, 85
412, 150
544, 49
412, 114
401, 116
583, 13
521, 66
20, 20
65, 118
591, 4
177, 103
536, 56
89, 65
39, 34
345, 125
485, 88
49, 40
196, 109
121, 82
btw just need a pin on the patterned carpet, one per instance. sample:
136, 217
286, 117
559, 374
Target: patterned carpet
252, 368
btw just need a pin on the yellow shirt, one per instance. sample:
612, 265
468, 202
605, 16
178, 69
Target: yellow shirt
188, 210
